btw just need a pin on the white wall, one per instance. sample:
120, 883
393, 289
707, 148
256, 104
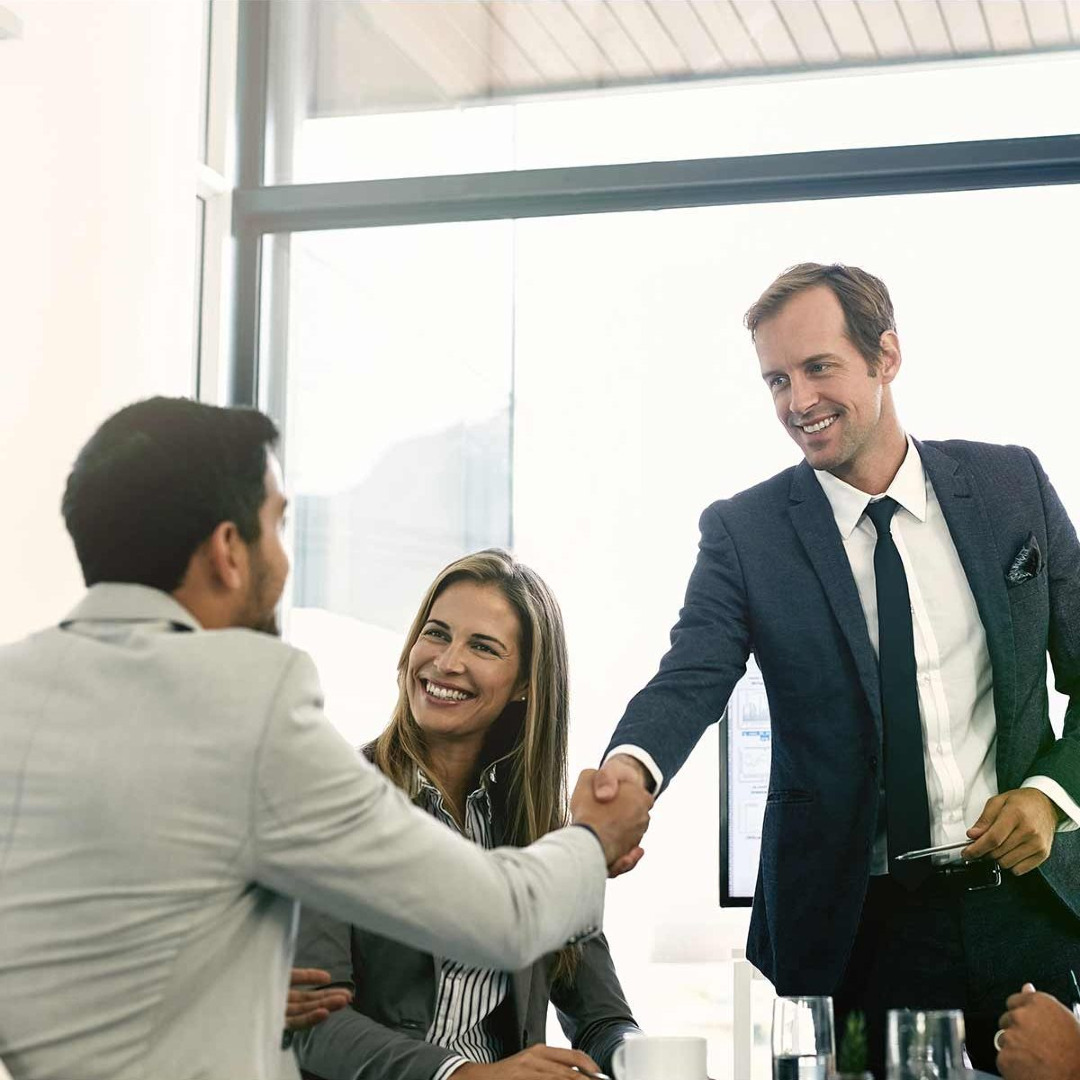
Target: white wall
99, 111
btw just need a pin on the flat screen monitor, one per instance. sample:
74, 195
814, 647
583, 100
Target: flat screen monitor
745, 755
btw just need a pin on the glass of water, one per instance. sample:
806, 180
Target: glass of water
925, 1045
803, 1040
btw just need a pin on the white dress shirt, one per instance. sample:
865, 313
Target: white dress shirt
954, 676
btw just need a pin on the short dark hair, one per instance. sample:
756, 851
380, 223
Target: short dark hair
868, 310
156, 479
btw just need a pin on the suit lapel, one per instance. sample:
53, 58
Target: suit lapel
815, 525
973, 534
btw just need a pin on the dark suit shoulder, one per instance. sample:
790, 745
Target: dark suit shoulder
997, 468
765, 497
969, 452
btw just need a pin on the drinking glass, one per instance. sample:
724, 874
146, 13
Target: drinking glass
803, 1041
925, 1045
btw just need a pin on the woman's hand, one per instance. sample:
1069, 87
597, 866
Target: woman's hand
538, 1062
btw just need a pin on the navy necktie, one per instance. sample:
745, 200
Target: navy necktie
907, 811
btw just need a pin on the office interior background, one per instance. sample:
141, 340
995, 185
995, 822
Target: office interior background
486, 263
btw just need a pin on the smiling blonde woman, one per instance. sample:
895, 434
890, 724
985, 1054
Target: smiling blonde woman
478, 739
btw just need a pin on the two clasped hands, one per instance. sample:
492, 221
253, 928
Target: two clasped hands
617, 812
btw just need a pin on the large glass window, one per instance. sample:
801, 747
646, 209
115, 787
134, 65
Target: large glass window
580, 388
200, 262
398, 437
205, 40
611, 348
365, 91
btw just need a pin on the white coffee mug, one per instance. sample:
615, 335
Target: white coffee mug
660, 1057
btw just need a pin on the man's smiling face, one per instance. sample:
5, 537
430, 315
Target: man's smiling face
824, 391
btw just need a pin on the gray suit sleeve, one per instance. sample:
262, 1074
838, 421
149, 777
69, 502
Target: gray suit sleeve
592, 1010
330, 831
350, 1045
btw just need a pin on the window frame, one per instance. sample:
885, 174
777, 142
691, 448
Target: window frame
259, 210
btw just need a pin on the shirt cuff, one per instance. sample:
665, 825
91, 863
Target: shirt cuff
449, 1067
1060, 798
644, 757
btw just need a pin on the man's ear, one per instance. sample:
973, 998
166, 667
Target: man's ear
889, 358
227, 557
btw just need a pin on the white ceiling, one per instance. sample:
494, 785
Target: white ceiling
376, 55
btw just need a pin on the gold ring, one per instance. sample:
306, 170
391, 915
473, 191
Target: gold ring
997, 1038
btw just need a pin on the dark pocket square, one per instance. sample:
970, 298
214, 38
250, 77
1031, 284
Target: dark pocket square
1026, 563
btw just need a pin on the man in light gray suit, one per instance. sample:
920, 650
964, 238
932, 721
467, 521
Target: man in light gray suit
170, 788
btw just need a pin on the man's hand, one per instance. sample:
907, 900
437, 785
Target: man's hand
306, 1008
535, 1063
1016, 829
621, 768
1039, 1039
620, 823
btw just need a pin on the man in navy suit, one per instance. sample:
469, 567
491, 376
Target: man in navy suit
900, 599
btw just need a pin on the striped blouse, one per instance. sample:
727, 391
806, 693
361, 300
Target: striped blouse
465, 997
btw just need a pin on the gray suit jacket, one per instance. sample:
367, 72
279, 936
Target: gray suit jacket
772, 577
381, 1037
167, 795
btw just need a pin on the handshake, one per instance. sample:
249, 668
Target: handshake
614, 803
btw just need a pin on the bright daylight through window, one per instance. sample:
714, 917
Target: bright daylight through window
581, 387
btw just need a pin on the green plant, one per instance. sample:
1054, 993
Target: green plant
852, 1056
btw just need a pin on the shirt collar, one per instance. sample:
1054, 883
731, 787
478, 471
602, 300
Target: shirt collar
111, 601
426, 788
848, 503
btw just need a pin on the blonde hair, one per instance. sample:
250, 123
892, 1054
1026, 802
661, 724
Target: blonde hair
529, 739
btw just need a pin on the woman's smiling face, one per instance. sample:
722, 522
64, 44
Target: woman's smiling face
466, 665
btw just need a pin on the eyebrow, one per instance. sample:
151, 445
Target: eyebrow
475, 637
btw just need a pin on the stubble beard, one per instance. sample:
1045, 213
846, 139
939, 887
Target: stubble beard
262, 616
838, 459
268, 625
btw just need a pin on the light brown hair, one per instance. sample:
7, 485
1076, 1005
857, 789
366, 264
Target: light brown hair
529, 739
868, 310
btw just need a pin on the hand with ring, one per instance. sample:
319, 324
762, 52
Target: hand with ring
1039, 1038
